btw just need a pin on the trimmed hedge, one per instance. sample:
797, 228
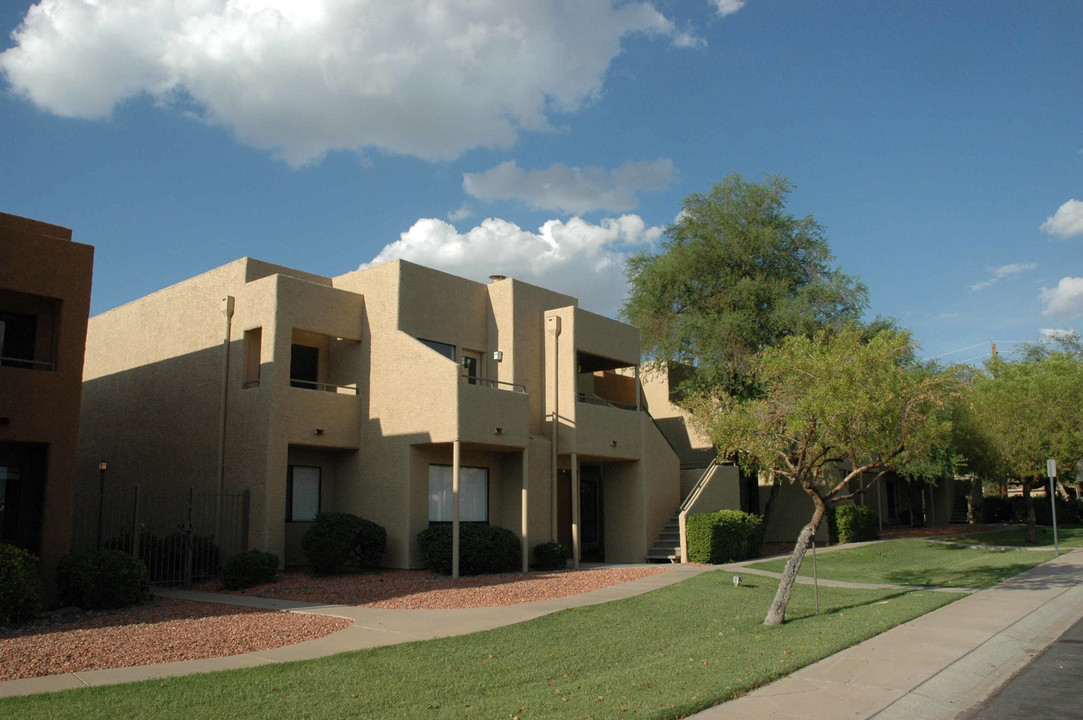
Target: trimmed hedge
856, 523
483, 549
20, 585
724, 536
336, 540
550, 556
100, 579
249, 569
995, 509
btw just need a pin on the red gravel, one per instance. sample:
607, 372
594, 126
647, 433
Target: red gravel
421, 590
166, 630
169, 630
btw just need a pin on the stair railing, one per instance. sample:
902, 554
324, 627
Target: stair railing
682, 514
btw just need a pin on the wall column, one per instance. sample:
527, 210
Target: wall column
455, 448
525, 517
575, 510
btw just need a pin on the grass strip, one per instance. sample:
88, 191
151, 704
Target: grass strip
1071, 536
917, 562
665, 654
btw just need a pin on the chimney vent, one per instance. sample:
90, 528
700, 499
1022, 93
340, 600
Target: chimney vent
497, 278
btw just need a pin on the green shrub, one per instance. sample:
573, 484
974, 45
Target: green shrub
995, 509
724, 536
483, 549
102, 578
20, 585
550, 556
856, 523
337, 540
249, 569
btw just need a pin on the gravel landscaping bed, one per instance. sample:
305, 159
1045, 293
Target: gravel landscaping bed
168, 630
423, 590
164, 630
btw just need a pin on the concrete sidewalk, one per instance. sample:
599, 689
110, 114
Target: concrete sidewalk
935, 667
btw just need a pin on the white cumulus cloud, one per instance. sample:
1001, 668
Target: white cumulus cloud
727, 7
1065, 300
571, 189
1068, 220
1050, 335
418, 77
575, 257
999, 273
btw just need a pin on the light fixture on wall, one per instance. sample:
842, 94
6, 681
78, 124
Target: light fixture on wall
318, 431
613, 443
498, 431
498, 355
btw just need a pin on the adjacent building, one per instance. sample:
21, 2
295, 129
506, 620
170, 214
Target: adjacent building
376, 393
44, 303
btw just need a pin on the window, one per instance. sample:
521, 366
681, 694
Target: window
473, 494
471, 364
17, 339
302, 493
444, 349
304, 366
253, 341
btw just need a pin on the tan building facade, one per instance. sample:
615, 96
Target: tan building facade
371, 393
45, 283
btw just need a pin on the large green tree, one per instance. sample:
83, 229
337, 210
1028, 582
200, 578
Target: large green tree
833, 413
1026, 411
736, 273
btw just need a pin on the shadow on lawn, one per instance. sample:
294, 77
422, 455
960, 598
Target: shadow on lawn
836, 610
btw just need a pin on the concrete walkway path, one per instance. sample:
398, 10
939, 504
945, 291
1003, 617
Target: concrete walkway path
935, 667
372, 627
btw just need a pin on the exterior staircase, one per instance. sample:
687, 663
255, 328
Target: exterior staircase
667, 548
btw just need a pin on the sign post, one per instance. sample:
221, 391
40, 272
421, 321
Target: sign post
1051, 471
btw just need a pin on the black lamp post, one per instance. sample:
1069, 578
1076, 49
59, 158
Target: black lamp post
102, 467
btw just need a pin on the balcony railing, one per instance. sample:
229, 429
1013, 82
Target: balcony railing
592, 400
497, 384
26, 363
350, 389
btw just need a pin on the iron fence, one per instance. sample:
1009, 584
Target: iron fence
182, 535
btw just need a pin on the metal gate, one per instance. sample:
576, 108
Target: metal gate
183, 536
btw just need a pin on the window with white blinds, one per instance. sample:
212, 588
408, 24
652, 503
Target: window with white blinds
473, 494
302, 493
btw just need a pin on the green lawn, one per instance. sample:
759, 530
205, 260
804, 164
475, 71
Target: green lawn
665, 654
1071, 536
917, 562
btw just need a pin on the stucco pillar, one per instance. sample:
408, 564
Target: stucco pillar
525, 515
575, 510
455, 447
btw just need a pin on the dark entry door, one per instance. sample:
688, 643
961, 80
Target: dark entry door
591, 537
591, 530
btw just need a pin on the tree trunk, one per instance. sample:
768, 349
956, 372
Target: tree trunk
777, 614
769, 506
1031, 535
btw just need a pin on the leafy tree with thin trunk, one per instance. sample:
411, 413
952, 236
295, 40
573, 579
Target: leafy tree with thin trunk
736, 273
834, 412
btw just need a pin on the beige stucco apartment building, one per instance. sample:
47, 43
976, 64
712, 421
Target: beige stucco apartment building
370, 393
44, 303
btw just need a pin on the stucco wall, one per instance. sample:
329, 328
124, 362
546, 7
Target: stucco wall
39, 259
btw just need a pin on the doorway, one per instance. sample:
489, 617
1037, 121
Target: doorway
592, 528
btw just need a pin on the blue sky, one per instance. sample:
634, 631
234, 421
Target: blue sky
940, 143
